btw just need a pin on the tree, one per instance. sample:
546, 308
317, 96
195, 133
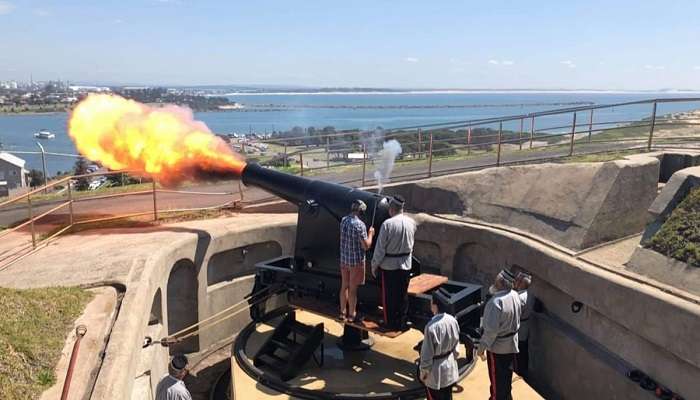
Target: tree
36, 178
81, 168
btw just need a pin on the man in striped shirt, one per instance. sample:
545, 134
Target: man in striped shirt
354, 242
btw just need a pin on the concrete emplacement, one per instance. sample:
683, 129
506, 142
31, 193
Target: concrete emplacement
184, 273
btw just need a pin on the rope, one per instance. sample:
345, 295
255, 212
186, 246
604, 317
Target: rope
212, 320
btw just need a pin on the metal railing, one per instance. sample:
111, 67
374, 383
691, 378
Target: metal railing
438, 149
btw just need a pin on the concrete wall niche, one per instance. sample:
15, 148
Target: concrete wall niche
183, 304
156, 309
429, 254
230, 264
474, 262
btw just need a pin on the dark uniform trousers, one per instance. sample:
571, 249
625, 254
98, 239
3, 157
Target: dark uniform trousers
442, 394
521, 360
500, 375
394, 287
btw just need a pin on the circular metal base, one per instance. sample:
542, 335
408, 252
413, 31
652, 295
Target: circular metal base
278, 385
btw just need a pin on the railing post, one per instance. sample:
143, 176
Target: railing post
573, 135
520, 135
469, 140
430, 156
651, 129
286, 160
364, 163
43, 165
301, 163
500, 133
240, 190
328, 152
70, 202
155, 204
590, 126
31, 220
420, 144
532, 130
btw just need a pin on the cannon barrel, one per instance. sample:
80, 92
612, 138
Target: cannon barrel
321, 207
305, 192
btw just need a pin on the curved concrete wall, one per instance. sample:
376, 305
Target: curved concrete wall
176, 276
642, 326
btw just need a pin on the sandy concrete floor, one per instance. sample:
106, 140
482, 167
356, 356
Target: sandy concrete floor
615, 254
388, 366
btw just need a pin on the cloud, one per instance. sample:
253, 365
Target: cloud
118, 21
501, 62
697, 67
41, 12
568, 63
6, 7
411, 59
654, 67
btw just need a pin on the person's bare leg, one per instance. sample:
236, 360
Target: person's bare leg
352, 301
343, 296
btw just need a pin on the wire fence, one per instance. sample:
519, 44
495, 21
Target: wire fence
31, 220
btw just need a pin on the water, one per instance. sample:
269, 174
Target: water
16, 131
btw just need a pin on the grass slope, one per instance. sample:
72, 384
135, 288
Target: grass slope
679, 236
33, 330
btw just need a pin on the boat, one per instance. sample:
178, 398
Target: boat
44, 134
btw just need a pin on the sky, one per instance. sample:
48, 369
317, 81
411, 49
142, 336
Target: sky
572, 44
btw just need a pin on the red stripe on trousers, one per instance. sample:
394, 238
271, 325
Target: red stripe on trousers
492, 372
428, 391
386, 321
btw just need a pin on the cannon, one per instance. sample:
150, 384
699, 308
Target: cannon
312, 274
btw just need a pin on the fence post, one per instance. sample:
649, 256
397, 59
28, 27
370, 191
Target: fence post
520, 135
70, 202
532, 129
301, 163
31, 220
590, 126
653, 122
420, 144
469, 140
500, 133
430, 156
286, 160
364, 163
43, 165
573, 135
155, 204
240, 190
328, 152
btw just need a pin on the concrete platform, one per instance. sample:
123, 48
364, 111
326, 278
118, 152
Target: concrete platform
388, 366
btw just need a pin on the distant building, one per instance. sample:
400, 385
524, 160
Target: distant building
12, 171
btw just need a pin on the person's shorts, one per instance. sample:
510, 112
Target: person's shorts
354, 275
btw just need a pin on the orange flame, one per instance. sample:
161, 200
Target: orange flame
166, 143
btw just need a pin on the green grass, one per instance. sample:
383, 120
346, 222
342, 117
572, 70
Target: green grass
33, 329
601, 157
679, 236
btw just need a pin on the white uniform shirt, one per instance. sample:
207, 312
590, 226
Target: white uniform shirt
171, 388
396, 236
440, 337
527, 302
500, 322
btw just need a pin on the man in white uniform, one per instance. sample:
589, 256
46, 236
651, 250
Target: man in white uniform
171, 387
438, 354
499, 340
392, 260
527, 301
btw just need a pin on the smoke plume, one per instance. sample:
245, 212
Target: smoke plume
387, 156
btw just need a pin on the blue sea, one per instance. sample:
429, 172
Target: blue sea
16, 131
